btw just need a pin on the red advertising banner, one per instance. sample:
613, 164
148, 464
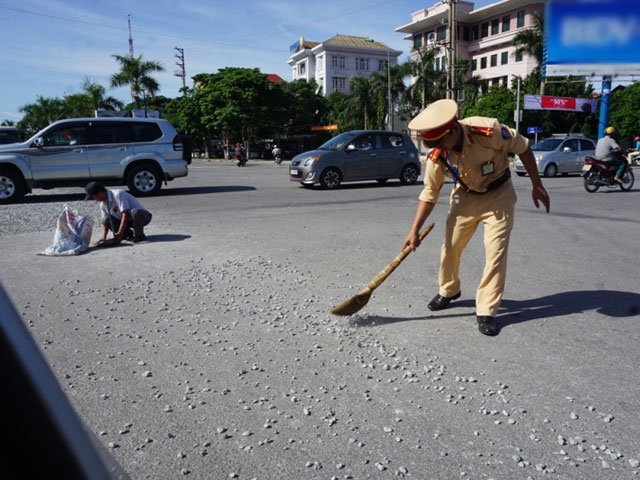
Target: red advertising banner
541, 102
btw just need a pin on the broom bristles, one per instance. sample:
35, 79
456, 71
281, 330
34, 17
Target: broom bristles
353, 304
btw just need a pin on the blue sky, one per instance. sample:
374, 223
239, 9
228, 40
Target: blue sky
49, 46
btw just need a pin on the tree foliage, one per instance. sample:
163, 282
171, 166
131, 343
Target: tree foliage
136, 73
625, 111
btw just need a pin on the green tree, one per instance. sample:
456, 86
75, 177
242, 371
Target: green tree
79, 105
531, 42
625, 111
97, 93
303, 106
8, 123
338, 112
359, 101
499, 102
41, 113
426, 79
136, 73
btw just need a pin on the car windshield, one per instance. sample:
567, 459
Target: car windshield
338, 142
547, 145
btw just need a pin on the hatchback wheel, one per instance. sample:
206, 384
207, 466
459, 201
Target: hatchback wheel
330, 178
409, 175
144, 180
551, 170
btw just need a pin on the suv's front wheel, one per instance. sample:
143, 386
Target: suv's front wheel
144, 180
11, 186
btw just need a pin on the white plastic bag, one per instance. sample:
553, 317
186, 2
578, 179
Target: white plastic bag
73, 234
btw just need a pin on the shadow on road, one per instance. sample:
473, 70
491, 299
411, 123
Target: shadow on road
610, 303
203, 190
365, 185
167, 237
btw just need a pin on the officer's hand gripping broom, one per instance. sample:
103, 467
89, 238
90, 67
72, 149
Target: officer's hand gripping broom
355, 303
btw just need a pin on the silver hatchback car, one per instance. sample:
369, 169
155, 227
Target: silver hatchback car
559, 154
355, 156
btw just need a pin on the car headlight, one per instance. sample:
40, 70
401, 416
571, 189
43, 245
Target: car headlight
539, 158
309, 160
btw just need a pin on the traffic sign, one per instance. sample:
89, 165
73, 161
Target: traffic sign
532, 130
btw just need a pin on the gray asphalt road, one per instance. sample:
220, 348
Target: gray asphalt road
209, 352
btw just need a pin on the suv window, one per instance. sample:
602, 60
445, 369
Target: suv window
572, 144
586, 145
65, 135
110, 133
146, 132
392, 141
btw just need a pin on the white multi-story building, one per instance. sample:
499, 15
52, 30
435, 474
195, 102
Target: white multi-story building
484, 36
334, 62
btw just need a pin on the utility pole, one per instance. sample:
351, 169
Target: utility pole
180, 63
518, 104
130, 38
604, 105
451, 50
390, 119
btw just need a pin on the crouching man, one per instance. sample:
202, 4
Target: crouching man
121, 213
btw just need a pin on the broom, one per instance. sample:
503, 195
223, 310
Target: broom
355, 303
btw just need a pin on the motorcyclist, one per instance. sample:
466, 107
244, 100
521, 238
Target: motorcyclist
277, 154
636, 154
239, 154
608, 150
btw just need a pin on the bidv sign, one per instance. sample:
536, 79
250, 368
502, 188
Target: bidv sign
593, 37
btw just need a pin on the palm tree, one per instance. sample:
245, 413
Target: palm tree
135, 72
97, 93
41, 113
360, 99
531, 42
424, 88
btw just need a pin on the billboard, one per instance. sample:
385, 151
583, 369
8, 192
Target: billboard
544, 102
592, 37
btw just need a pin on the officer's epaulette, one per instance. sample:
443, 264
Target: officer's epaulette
486, 131
435, 153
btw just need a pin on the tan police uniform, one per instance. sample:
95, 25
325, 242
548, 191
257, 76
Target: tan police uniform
482, 163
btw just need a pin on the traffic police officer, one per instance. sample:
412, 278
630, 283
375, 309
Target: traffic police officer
473, 151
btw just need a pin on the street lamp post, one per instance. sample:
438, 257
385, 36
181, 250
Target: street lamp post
518, 104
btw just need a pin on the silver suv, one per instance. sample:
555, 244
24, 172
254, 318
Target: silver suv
141, 153
559, 154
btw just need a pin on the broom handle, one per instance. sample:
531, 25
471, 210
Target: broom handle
382, 276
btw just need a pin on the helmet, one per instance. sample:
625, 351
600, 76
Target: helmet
610, 130
636, 139
275, 146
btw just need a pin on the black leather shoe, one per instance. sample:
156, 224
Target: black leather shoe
487, 325
440, 303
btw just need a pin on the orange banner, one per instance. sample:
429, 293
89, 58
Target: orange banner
324, 128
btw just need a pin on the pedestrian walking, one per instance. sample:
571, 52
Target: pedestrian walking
473, 152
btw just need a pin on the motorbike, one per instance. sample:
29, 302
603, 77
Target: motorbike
598, 173
241, 161
278, 159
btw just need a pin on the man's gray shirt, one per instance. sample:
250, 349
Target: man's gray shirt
605, 146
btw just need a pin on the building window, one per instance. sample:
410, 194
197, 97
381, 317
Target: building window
444, 63
362, 64
495, 27
441, 33
466, 34
519, 56
341, 62
382, 65
302, 68
431, 38
417, 41
506, 23
334, 61
505, 58
521, 19
474, 65
339, 84
474, 33
494, 60
483, 62
319, 64
437, 64
485, 30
